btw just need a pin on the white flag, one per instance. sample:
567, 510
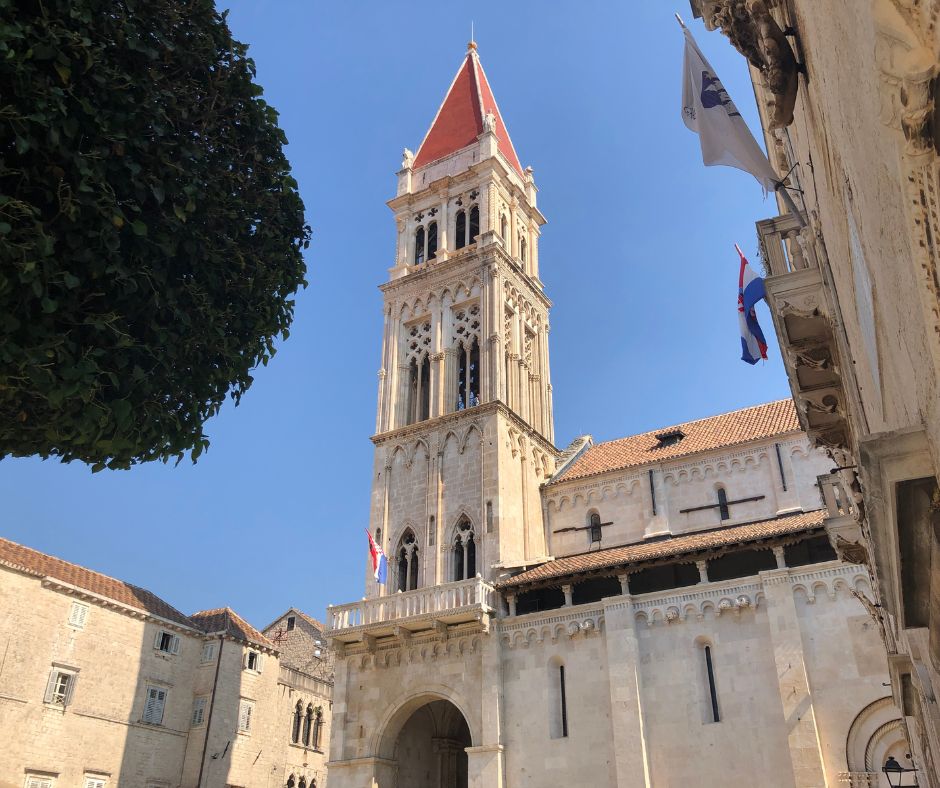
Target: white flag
708, 110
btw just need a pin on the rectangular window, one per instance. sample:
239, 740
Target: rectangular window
245, 709
712, 690
60, 687
291, 622
166, 642
94, 781
199, 712
564, 701
77, 615
253, 661
154, 704
208, 653
35, 781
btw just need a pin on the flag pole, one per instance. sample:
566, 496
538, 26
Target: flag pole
781, 189
679, 20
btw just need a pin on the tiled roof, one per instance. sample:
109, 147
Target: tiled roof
728, 429
665, 548
20, 557
227, 621
459, 121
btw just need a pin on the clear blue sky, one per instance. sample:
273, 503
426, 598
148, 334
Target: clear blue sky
637, 255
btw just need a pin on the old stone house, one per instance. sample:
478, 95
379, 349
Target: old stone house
661, 610
102, 683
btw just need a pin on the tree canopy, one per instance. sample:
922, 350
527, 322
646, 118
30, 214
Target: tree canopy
151, 235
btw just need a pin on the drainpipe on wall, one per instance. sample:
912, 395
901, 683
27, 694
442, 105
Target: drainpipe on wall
215, 684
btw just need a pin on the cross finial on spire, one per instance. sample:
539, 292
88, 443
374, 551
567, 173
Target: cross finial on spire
472, 44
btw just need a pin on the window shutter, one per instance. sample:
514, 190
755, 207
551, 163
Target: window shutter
69, 689
153, 709
244, 717
50, 688
77, 615
175, 645
156, 640
260, 661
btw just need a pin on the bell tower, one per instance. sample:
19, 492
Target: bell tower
464, 433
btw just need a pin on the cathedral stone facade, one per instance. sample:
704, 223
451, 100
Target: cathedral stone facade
660, 610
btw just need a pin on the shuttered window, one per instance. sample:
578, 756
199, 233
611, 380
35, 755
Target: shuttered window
245, 710
199, 712
95, 782
39, 782
60, 687
208, 653
77, 615
154, 705
166, 642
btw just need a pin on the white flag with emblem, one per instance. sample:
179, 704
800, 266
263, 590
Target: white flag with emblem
708, 110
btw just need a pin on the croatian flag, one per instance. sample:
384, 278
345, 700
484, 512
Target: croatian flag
379, 563
750, 291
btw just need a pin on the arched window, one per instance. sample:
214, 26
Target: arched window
460, 230
594, 527
723, 504
303, 783
504, 229
522, 248
474, 224
295, 728
419, 390
465, 551
708, 675
419, 246
432, 240
407, 555
308, 723
317, 728
468, 375
290, 782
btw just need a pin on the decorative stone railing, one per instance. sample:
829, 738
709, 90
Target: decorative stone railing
843, 518
299, 680
412, 611
785, 245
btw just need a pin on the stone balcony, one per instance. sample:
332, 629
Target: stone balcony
403, 614
804, 321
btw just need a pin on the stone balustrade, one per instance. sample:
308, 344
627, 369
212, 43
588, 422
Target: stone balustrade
412, 611
785, 245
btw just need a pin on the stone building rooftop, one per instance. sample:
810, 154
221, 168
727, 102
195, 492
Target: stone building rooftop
25, 559
659, 549
669, 443
224, 620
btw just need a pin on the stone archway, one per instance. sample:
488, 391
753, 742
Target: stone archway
427, 741
876, 733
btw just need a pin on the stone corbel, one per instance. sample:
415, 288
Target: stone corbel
440, 628
403, 635
752, 30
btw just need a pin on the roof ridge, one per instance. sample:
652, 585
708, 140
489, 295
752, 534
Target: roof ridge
694, 421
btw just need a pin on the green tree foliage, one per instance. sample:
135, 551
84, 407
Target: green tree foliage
151, 235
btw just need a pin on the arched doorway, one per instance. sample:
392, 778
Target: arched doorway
876, 733
431, 747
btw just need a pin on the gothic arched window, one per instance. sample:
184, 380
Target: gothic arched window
468, 375
295, 728
465, 551
407, 555
594, 527
303, 783
317, 728
460, 230
504, 229
432, 241
419, 246
308, 723
419, 390
290, 782
474, 224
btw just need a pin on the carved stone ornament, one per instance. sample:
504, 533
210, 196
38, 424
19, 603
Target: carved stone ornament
756, 35
407, 159
851, 552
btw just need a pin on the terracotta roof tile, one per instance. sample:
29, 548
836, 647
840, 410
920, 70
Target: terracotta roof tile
665, 548
20, 557
715, 432
227, 621
459, 121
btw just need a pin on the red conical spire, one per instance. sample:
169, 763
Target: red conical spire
459, 121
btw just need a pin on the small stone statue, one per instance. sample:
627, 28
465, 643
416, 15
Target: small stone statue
489, 122
407, 159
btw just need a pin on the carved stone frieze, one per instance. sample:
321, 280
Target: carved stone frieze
754, 32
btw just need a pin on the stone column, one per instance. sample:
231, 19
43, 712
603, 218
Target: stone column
795, 693
702, 571
780, 555
624, 584
511, 601
567, 589
628, 734
443, 227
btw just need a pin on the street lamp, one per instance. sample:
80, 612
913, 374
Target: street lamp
895, 772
